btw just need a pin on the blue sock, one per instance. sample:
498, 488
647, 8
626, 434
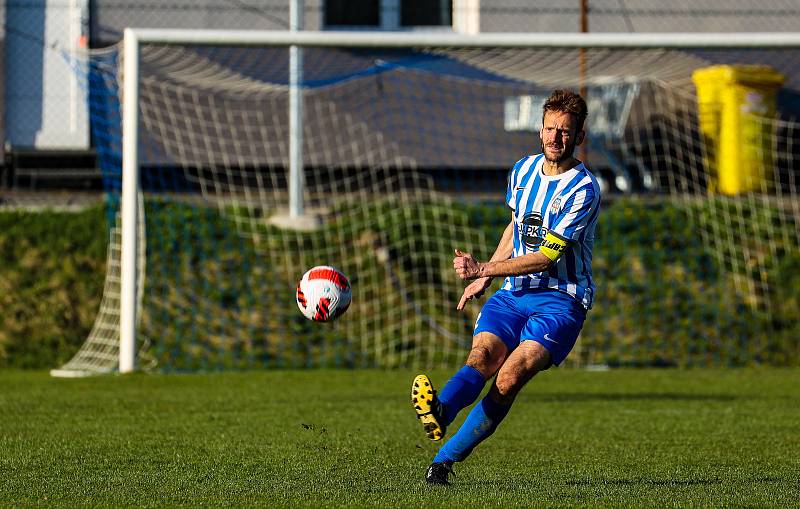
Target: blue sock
460, 392
479, 425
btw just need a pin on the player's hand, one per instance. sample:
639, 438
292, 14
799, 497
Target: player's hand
465, 265
474, 290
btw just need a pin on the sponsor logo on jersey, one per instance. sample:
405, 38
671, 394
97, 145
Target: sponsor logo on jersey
530, 230
555, 207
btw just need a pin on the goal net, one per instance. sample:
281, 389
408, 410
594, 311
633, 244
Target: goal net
405, 152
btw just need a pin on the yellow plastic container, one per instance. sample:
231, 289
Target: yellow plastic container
735, 104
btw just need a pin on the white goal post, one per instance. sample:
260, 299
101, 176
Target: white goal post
134, 37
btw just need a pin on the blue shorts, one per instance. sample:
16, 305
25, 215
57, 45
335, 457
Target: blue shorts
549, 317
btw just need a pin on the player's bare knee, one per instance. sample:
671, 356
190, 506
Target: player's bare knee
505, 389
480, 358
487, 354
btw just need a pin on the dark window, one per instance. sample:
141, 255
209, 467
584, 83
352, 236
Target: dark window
352, 12
426, 13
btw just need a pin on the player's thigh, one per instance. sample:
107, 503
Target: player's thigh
502, 316
487, 354
521, 365
556, 332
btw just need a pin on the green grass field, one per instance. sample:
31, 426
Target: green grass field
622, 438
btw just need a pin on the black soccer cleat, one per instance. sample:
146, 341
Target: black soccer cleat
427, 407
437, 473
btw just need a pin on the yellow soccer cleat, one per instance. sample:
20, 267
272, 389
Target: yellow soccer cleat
427, 407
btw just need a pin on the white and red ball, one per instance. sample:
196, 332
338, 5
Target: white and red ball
323, 294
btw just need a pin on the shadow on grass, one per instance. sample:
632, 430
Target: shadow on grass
672, 482
634, 396
676, 483
644, 482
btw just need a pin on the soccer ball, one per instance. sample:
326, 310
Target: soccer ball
323, 294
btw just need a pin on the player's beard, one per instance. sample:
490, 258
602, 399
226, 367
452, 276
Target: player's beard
569, 149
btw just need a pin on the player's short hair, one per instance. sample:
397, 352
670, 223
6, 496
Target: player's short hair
566, 101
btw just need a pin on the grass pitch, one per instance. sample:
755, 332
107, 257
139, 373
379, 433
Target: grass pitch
622, 438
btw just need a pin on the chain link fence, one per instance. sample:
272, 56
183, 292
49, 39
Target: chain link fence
43, 109
109, 17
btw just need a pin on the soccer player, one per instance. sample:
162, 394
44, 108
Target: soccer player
533, 321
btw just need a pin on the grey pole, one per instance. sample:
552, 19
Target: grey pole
295, 114
130, 203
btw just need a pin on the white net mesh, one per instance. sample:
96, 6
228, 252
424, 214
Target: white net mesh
100, 352
406, 153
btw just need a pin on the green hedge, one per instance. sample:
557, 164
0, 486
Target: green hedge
663, 297
52, 269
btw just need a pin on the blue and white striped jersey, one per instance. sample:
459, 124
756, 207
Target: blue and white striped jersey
566, 205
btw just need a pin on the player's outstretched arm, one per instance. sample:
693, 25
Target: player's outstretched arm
503, 252
518, 266
467, 267
474, 290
